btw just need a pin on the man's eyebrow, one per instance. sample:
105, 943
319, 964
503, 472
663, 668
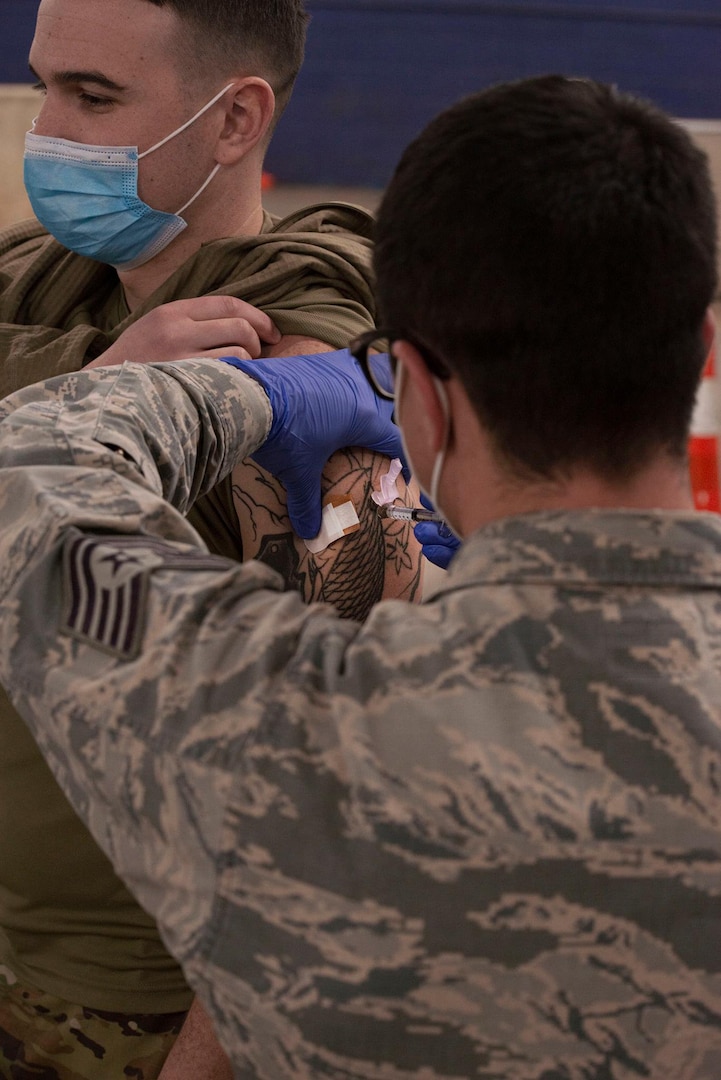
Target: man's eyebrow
72, 77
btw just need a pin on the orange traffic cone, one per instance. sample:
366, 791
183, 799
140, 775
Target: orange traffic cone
705, 440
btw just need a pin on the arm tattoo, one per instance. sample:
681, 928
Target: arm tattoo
278, 551
379, 559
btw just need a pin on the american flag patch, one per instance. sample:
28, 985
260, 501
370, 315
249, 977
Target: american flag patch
105, 587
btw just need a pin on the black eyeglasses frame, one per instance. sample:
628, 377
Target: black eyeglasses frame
360, 347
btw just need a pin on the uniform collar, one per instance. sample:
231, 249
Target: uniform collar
586, 547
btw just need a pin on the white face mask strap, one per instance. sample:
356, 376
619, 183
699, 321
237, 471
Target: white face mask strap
441, 455
186, 125
200, 191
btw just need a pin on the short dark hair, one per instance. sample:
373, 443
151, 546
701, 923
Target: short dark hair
267, 35
554, 241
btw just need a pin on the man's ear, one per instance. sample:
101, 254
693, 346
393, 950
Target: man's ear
250, 107
423, 406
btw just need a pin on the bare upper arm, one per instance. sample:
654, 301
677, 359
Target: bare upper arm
380, 559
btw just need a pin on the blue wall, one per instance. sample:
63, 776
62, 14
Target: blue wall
17, 18
378, 70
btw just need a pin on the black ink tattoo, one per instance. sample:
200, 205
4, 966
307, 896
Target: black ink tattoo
278, 550
380, 558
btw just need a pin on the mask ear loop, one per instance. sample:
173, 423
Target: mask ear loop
177, 131
186, 124
441, 455
200, 191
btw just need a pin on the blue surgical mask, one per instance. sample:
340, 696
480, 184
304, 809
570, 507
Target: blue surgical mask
87, 198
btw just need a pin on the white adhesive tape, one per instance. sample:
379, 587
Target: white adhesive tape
339, 519
388, 488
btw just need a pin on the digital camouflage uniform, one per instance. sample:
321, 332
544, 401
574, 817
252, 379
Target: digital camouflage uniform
480, 837
72, 939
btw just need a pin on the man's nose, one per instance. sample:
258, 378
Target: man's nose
50, 121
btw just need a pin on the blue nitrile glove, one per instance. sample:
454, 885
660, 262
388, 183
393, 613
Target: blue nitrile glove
320, 404
438, 543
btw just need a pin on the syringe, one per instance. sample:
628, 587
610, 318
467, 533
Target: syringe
409, 513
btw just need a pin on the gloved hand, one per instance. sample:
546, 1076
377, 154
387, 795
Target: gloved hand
320, 404
438, 543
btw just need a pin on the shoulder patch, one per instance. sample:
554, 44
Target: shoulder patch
105, 584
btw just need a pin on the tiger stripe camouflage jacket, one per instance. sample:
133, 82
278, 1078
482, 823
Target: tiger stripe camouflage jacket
478, 837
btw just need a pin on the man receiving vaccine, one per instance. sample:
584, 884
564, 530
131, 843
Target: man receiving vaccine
144, 169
